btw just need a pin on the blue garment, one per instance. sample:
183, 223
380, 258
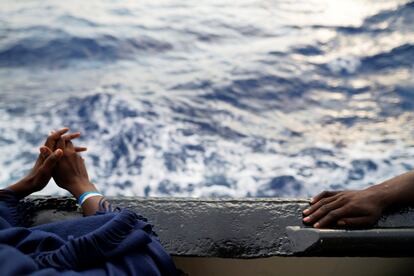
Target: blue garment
114, 243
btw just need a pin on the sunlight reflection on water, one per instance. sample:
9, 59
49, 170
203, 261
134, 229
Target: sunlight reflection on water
214, 98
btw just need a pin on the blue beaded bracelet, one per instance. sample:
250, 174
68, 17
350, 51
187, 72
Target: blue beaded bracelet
87, 195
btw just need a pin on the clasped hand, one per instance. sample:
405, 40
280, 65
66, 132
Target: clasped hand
59, 159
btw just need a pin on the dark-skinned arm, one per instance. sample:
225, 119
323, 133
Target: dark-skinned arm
70, 174
362, 208
41, 173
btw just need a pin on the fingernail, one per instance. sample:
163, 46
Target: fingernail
317, 225
58, 152
306, 211
341, 223
311, 200
307, 219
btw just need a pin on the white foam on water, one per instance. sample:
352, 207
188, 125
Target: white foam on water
229, 168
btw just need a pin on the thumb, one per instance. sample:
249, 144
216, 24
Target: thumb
51, 161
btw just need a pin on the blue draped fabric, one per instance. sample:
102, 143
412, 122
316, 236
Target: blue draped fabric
109, 243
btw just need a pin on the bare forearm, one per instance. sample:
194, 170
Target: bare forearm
397, 191
23, 187
361, 208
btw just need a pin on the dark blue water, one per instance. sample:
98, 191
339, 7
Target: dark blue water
212, 99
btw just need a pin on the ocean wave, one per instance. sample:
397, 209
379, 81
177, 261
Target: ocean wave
386, 21
63, 50
135, 150
398, 57
196, 100
400, 18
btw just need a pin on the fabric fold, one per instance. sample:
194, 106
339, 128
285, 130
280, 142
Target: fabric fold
115, 238
112, 243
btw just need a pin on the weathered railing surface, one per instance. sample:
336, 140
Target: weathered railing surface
246, 228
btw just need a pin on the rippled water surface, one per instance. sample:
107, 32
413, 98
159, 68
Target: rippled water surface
212, 98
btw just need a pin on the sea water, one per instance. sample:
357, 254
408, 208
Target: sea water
211, 98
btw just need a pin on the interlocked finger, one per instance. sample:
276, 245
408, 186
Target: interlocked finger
80, 149
71, 136
54, 136
61, 144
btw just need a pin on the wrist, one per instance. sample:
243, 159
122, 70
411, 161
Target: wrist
25, 186
384, 194
78, 189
